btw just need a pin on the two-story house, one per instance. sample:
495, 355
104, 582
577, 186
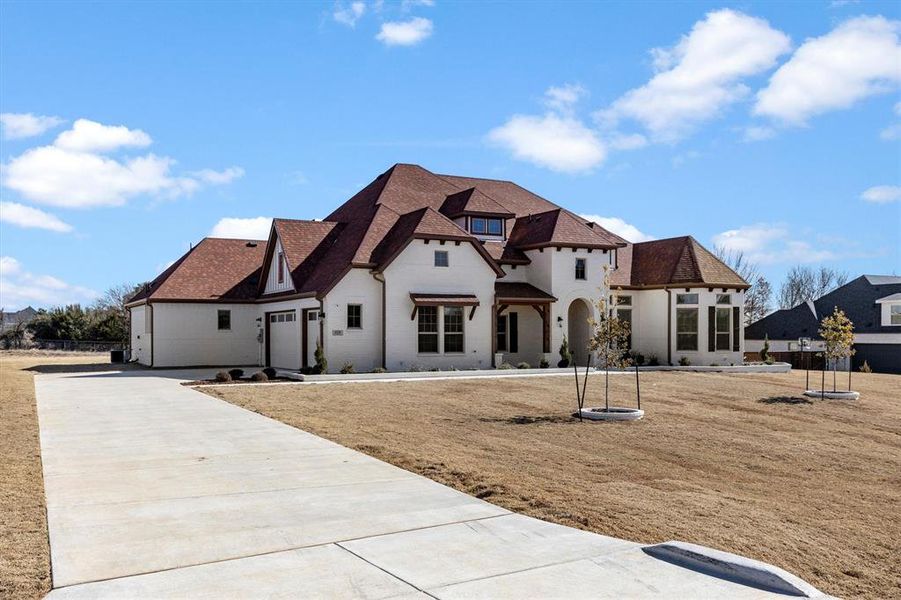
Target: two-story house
421, 271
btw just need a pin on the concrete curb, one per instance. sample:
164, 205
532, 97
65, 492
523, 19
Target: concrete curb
732, 567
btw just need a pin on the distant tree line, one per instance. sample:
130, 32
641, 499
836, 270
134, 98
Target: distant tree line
800, 285
106, 320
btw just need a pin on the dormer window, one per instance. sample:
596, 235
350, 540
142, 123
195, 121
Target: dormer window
486, 226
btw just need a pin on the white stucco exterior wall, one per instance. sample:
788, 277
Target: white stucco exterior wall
414, 271
361, 347
187, 334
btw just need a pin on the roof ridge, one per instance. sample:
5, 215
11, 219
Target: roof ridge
697, 244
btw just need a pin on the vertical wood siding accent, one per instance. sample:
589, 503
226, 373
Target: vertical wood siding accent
272, 284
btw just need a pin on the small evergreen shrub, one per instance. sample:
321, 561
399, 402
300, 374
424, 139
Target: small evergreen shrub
639, 359
306, 370
270, 372
566, 356
865, 367
523, 365
223, 377
765, 351
319, 357
378, 370
543, 363
505, 366
236, 373
652, 361
434, 370
684, 361
259, 376
348, 368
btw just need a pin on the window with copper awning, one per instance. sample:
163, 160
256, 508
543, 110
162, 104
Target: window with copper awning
425, 299
508, 294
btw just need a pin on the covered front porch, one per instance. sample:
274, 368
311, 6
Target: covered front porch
521, 324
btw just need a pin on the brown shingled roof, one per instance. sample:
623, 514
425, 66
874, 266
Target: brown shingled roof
559, 227
472, 201
675, 262
520, 290
215, 270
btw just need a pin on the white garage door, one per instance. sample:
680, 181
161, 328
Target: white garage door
284, 340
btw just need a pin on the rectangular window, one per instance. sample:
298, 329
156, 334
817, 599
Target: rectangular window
580, 268
724, 299
354, 316
687, 328
502, 333
453, 329
441, 259
723, 329
625, 314
484, 226
622, 300
686, 298
428, 329
281, 268
225, 320
495, 227
895, 314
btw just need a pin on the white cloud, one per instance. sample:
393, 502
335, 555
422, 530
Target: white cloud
254, 228
701, 75
624, 230
405, 33
756, 133
770, 243
632, 141
882, 194
76, 171
563, 98
31, 218
557, 142
859, 58
19, 288
409, 4
349, 15
893, 132
23, 125
219, 177
91, 136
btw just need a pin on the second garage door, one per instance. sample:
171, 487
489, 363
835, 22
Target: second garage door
284, 340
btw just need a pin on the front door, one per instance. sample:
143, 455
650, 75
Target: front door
310, 336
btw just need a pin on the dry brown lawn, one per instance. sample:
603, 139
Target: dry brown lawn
737, 462
24, 551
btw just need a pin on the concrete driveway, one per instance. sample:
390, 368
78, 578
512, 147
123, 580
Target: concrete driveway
155, 490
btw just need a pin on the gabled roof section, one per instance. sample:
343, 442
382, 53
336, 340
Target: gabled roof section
302, 243
679, 261
472, 201
511, 196
505, 254
559, 227
215, 270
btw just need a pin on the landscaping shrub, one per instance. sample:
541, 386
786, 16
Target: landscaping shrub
769, 360
348, 368
639, 358
765, 351
566, 356
306, 370
319, 357
543, 363
269, 372
523, 365
652, 361
259, 376
865, 367
434, 369
684, 361
378, 370
505, 366
236, 373
223, 376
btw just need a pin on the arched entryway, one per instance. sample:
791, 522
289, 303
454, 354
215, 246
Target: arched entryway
578, 330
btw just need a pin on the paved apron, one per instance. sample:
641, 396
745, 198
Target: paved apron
157, 490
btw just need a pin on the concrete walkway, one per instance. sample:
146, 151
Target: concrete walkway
155, 490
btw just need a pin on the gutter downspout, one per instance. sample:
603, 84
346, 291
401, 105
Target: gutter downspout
322, 328
381, 279
669, 326
152, 325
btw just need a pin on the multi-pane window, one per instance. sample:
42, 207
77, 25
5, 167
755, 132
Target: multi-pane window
723, 335
354, 316
621, 300
895, 314
453, 329
281, 317
625, 314
486, 226
224, 318
428, 329
580, 268
502, 333
441, 259
686, 298
687, 328
281, 268
724, 299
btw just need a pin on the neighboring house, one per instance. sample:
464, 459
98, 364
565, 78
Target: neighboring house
872, 302
422, 271
10, 320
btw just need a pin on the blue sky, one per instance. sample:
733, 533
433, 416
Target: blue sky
130, 130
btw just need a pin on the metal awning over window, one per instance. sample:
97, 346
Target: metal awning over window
422, 299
